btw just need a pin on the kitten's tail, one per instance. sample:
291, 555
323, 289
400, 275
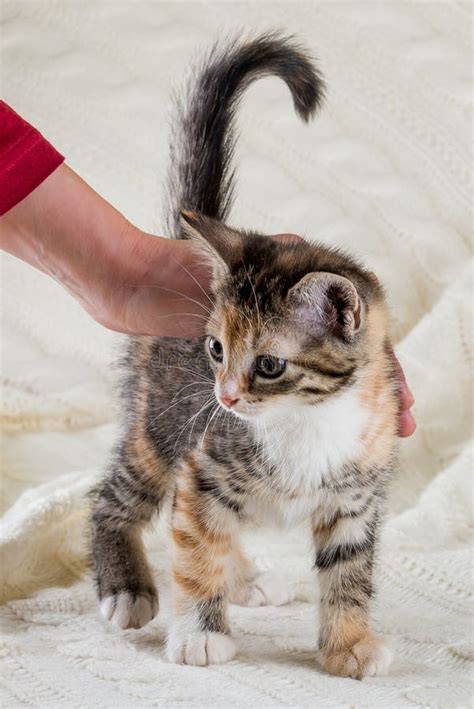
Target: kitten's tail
201, 177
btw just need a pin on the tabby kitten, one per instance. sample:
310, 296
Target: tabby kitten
286, 411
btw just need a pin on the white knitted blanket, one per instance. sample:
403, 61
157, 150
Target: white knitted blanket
384, 171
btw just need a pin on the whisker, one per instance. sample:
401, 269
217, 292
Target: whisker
254, 294
210, 401
195, 281
212, 414
176, 292
186, 297
182, 429
193, 419
186, 386
180, 401
173, 315
190, 371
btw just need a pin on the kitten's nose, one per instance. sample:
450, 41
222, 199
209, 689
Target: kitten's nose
228, 401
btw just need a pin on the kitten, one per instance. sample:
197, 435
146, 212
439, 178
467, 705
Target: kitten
286, 411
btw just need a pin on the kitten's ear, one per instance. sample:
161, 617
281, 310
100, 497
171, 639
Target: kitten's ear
220, 244
327, 303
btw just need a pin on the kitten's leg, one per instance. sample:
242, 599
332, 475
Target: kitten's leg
344, 558
244, 571
124, 503
252, 588
204, 526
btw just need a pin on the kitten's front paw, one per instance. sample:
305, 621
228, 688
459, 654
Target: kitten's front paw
200, 648
369, 657
266, 590
127, 610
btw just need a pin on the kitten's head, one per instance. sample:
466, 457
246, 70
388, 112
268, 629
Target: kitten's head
292, 322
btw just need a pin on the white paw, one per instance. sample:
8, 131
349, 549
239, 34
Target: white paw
379, 662
128, 611
266, 590
369, 657
200, 648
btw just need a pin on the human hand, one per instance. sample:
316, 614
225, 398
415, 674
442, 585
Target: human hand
406, 421
126, 279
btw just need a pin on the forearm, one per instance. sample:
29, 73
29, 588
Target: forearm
61, 228
52, 219
126, 279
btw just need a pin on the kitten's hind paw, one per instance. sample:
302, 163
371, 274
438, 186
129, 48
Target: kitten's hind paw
266, 590
369, 657
200, 648
129, 610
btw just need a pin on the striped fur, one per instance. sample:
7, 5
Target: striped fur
315, 442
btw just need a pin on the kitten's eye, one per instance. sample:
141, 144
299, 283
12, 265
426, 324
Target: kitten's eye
216, 349
270, 367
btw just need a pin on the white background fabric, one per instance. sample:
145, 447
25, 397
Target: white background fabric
384, 171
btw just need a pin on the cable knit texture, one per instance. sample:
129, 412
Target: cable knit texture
384, 171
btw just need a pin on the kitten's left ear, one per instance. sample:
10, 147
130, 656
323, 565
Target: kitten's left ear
220, 244
327, 303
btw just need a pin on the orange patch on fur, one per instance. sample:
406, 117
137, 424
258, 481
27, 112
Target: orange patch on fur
198, 587
343, 627
140, 449
183, 539
198, 527
353, 661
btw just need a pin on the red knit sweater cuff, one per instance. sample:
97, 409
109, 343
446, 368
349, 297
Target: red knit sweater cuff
26, 158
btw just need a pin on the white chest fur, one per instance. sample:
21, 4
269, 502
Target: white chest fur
306, 444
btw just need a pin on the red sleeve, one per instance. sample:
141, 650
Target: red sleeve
26, 158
